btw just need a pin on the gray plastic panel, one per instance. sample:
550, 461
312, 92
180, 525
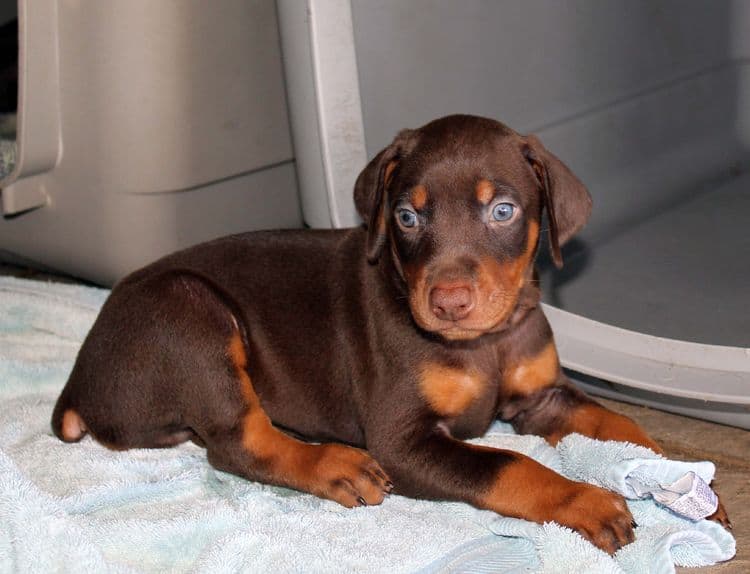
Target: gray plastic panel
172, 94
145, 127
38, 139
607, 85
530, 63
102, 236
681, 273
324, 104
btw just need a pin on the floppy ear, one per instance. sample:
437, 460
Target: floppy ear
371, 190
567, 201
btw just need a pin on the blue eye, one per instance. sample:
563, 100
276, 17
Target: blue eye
503, 211
407, 218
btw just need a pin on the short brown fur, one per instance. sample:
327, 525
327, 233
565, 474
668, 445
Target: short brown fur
319, 469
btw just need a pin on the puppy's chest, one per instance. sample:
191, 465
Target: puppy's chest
469, 394
464, 396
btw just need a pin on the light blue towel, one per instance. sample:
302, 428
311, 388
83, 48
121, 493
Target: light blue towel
81, 507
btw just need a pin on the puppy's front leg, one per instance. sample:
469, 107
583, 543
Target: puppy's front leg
539, 399
560, 409
435, 465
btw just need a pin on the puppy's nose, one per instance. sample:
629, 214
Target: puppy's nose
451, 303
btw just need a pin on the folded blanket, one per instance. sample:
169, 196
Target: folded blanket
85, 508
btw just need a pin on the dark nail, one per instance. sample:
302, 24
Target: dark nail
362, 501
634, 524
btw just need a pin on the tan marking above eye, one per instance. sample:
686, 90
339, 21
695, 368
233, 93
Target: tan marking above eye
530, 374
450, 391
485, 191
419, 196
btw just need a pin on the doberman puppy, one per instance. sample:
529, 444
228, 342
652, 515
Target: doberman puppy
401, 337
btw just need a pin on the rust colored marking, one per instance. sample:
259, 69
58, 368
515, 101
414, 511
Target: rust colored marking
499, 283
531, 242
259, 436
511, 275
530, 374
532, 239
485, 191
450, 391
526, 489
381, 222
524, 261
497, 289
237, 353
595, 421
419, 196
73, 427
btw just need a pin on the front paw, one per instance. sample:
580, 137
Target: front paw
600, 516
721, 516
349, 476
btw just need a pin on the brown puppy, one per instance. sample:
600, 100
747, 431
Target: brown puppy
401, 338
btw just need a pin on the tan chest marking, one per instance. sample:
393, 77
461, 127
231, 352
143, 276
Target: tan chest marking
450, 391
533, 373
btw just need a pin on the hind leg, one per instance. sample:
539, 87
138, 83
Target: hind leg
145, 364
252, 447
166, 362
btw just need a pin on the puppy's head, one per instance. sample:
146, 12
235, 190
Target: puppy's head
457, 204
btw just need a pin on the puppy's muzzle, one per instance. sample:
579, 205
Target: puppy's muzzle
452, 301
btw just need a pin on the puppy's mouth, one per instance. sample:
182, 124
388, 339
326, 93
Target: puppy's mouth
459, 333
464, 310
470, 328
